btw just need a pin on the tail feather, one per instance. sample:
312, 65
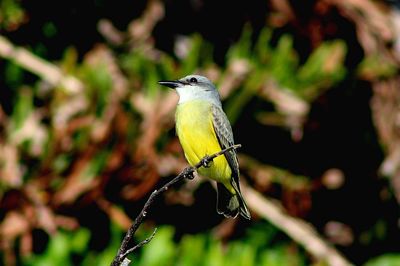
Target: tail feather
230, 205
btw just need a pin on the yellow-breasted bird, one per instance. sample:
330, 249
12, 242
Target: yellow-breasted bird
203, 129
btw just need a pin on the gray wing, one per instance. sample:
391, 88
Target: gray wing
224, 134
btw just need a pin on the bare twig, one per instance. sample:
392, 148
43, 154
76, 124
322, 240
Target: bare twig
297, 229
124, 249
142, 243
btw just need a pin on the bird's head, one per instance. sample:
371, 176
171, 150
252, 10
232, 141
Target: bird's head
193, 87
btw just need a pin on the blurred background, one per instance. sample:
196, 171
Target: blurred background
86, 133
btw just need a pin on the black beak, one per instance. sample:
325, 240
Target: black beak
171, 83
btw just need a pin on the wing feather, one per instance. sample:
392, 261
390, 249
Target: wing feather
224, 134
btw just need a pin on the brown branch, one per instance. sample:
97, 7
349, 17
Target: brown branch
297, 229
124, 249
142, 243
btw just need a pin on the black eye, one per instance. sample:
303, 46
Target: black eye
193, 80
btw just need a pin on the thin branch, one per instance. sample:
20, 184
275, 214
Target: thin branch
124, 249
144, 242
297, 229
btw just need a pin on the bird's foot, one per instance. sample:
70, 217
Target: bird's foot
206, 161
188, 172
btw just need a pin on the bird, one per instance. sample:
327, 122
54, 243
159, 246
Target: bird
204, 129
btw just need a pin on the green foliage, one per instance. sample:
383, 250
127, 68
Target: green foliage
25, 129
202, 249
385, 260
60, 249
377, 232
11, 14
255, 249
95, 166
99, 83
145, 71
64, 246
23, 108
374, 66
13, 75
250, 88
242, 48
199, 55
49, 29
280, 64
161, 250
284, 62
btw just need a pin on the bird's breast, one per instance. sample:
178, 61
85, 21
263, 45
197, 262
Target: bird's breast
194, 127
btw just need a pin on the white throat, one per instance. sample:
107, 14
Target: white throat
191, 93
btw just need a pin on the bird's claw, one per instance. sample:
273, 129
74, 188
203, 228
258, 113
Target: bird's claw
206, 161
188, 173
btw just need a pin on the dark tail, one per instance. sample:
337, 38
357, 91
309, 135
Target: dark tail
230, 205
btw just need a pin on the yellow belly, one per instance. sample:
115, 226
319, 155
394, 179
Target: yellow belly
196, 134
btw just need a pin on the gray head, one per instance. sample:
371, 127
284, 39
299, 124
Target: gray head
194, 87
